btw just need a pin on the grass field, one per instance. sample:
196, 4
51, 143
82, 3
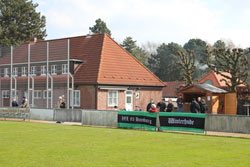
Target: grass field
26, 144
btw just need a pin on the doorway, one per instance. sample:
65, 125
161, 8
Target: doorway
129, 100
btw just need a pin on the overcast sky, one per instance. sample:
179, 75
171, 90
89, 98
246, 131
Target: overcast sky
155, 21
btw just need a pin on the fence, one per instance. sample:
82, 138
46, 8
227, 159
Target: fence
217, 123
17, 113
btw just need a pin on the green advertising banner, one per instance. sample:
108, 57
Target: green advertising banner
137, 120
189, 122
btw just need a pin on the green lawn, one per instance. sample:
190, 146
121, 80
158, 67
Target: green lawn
26, 144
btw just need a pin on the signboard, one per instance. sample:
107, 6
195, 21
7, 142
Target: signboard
137, 120
190, 122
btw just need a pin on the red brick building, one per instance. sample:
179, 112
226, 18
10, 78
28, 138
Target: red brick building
102, 73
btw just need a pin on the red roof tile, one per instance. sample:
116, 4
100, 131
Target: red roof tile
216, 79
171, 88
104, 61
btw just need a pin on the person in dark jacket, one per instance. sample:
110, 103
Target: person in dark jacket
180, 101
194, 107
149, 104
14, 103
202, 109
161, 106
170, 106
204, 105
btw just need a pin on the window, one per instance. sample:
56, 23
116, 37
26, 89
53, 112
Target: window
24, 71
45, 94
5, 94
6, 72
37, 94
15, 71
64, 68
76, 97
112, 98
43, 70
53, 69
33, 70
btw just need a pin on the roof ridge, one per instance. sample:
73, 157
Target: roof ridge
27, 42
136, 60
101, 59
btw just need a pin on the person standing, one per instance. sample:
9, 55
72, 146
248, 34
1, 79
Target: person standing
14, 103
170, 106
194, 107
203, 102
61, 103
149, 104
180, 104
202, 109
161, 105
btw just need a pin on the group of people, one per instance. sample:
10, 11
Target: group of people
161, 106
197, 106
23, 104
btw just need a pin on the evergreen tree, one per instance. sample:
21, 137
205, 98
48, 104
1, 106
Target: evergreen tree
129, 44
20, 22
100, 27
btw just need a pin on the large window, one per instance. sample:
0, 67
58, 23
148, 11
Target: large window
6, 72
33, 70
24, 69
112, 98
5, 94
53, 69
43, 70
64, 68
37, 94
76, 97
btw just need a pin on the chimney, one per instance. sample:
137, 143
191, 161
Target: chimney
33, 39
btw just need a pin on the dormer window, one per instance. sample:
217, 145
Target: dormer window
43, 70
33, 70
53, 69
64, 68
15, 71
6, 72
24, 71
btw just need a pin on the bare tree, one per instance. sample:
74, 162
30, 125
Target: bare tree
233, 61
187, 63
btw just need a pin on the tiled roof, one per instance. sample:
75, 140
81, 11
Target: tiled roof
216, 79
119, 67
171, 88
206, 87
104, 61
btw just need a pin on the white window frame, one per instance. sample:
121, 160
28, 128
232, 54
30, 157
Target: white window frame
33, 70
112, 98
45, 94
37, 94
43, 70
5, 94
15, 71
77, 98
53, 70
6, 72
24, 71
64, 68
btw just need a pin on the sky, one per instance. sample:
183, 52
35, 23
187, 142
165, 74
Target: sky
156, 21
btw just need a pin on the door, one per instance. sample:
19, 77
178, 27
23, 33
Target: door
129, 100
